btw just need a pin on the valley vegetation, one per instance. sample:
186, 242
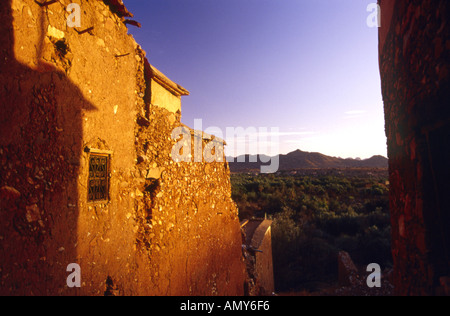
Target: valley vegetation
316, 214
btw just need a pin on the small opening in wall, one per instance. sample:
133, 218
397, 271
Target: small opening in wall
152, 187
62, 48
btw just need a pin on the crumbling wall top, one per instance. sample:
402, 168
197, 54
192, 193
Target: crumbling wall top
118, 7
255, 230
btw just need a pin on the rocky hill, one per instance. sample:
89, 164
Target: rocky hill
305, 160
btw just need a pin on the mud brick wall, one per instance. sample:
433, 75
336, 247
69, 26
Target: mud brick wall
264, 264
415, 74
257, 240
167, 228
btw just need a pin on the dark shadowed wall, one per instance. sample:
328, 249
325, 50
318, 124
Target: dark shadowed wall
415, 73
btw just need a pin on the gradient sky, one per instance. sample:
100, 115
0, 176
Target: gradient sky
307, 67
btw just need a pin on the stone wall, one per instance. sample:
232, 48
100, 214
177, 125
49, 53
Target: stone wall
167, 228
188, 223
415, 74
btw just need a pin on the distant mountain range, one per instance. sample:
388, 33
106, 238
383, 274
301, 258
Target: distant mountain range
306, 160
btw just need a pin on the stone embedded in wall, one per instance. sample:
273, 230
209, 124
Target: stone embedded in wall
9, 194
154, 173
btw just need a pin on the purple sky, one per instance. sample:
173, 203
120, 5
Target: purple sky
309, 68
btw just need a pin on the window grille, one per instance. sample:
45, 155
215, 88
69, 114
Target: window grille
98, 185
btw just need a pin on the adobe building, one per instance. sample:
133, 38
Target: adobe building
414, 47
86, 168
257, 246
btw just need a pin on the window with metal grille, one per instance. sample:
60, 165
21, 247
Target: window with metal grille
98, 185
